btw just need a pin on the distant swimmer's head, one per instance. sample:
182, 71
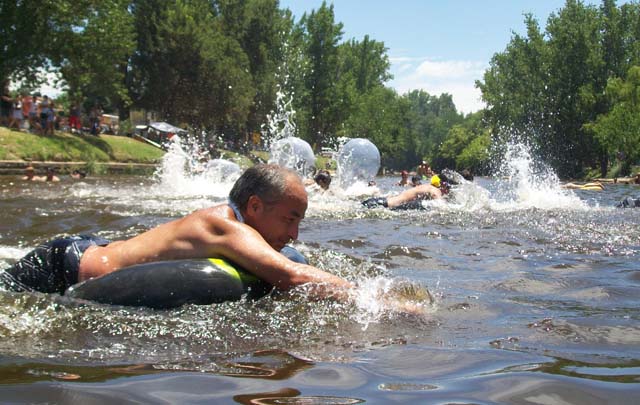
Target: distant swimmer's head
78, 174
404, 173
29, 172
323, 179
444, 184
467, 175
416, 180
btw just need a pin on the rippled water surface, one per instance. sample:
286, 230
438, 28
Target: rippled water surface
527, 293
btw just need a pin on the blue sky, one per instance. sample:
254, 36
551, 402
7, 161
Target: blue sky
439, 46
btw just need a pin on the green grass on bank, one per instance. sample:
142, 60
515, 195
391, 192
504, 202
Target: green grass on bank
64, 147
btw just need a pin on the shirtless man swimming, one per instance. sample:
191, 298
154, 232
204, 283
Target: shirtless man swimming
413, 197
266, 205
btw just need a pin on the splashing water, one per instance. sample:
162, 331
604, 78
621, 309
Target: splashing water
186, 171
280, 124
529, 184
279, 134
380, 296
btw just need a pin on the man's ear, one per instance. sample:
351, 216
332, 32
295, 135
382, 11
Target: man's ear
254, 206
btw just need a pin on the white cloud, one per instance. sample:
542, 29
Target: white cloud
456, 77
404, 67
449, 69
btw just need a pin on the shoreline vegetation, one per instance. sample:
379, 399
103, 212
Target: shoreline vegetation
114, 154
103, 154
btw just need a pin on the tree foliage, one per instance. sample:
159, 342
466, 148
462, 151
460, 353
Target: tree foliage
546, 86
217, 65
319, 74
618, 131
187, 69
93, 59
88, 42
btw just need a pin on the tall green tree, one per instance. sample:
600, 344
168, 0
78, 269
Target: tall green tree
87, 40
515, 86
381, 116
466, 145
258, 26
22, 25
365, 63
321, 36
430, 119
187, 69
94, 59
575, 62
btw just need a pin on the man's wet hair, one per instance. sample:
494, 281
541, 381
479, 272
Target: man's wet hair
269, 182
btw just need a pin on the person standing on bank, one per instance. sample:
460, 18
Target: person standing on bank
6, 104
265, 207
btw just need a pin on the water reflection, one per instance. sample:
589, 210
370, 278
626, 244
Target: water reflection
291, 396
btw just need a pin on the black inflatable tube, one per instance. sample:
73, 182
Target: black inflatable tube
629, 202
170, 284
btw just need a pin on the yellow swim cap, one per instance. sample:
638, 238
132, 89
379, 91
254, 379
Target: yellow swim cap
435, 181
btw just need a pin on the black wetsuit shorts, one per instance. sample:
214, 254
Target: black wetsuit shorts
411, 205
51, 267
374, 202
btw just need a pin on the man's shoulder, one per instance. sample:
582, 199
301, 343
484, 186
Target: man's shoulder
220, 211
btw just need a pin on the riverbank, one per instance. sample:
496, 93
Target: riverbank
103, 154
66, 152
14, 167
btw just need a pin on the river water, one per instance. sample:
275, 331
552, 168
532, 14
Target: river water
528, 294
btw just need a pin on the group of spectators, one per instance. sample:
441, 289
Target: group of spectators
39, 114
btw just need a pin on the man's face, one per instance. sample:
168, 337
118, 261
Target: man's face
278, 223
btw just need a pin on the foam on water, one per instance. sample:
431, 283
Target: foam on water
525, 183
184, 174
11, 252
381, 296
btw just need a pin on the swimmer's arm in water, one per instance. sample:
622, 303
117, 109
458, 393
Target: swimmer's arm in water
246, 247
